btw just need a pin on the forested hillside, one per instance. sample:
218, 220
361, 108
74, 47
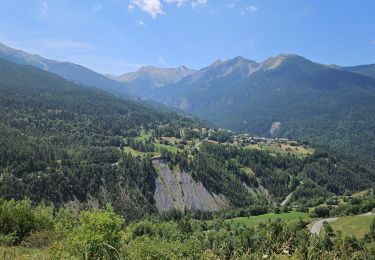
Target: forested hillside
64, 143
60, 142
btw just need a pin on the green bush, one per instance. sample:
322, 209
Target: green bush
96, 236
19, 218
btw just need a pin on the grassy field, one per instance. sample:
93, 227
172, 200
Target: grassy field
252, 221
23, 253
133, 152
353, 225
282, 149
169, 148
144, 135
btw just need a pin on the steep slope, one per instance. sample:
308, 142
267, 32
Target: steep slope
306, 100
144, 81
67, 70
177, 189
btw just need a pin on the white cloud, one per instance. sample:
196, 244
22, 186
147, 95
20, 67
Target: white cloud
373, 42
152, 7
140, 23
179, 3
252, 8
249, 9
198, 3
131, 7
97, 7
155, 7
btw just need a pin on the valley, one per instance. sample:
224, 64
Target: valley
76, 160
187, 129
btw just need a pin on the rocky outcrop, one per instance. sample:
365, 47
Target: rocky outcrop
275, 127
177, 189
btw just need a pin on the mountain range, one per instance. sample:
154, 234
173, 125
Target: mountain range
283, 96
62, 142
148, 79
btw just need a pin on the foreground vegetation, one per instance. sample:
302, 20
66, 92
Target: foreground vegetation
44, 233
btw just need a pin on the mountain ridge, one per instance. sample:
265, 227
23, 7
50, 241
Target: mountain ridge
67, 70
302, 95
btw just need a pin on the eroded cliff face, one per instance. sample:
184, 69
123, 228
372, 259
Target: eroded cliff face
177, 189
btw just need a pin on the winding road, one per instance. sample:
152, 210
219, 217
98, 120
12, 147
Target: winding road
315, 229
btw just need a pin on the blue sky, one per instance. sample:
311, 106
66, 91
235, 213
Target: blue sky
115, 36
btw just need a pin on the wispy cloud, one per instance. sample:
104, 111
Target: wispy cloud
131, 7
163, 62
152, 7
230, 5
45, 7
103, 64
97, 7
155, 7
178, 3
373, 42
64, 44
252, 8
140, 23
198, 3
249, 9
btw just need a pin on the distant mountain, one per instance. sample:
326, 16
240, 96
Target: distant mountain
366, 70
67, 70
146, 79
287, 95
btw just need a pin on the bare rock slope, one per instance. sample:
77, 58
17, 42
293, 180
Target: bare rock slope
177, 189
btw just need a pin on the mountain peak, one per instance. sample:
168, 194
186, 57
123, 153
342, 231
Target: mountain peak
281, 59
150, 76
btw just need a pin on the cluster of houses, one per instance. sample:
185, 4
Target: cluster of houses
249, 139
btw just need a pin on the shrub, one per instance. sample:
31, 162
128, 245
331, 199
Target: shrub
40, 239
18, 219
321, 212
96, 236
